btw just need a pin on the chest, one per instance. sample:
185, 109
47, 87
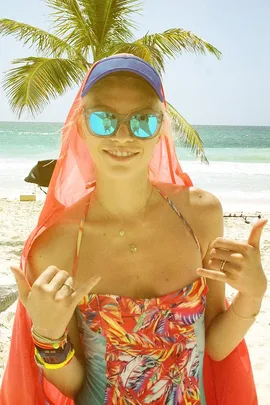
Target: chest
166, 258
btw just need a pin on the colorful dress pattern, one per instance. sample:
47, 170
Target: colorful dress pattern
143, 351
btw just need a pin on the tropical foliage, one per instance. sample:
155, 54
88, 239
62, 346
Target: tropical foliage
82, 32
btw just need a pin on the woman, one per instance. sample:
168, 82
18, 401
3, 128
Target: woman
118, 310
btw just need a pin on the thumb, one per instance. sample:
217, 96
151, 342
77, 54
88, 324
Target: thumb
256, 233
82, 291
22, 283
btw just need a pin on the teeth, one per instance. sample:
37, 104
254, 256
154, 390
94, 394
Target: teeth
121, 154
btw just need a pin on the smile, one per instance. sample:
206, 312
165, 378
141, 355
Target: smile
123, 156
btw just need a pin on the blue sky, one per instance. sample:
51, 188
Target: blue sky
206, 91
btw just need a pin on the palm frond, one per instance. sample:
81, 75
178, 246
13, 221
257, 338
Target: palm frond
185, 135
143, 51
171, 43
43, 41
31, 86
140, 49
70, 24
111, 21
157, 48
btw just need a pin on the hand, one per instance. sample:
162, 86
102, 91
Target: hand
49, 302
243, 268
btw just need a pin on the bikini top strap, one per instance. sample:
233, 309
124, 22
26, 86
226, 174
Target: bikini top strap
79, 239
181, 216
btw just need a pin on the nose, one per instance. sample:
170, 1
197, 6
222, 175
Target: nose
122, 134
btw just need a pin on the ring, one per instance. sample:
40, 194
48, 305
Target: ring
69, 286
222, 265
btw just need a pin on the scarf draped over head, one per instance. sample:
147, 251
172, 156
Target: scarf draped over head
74, 177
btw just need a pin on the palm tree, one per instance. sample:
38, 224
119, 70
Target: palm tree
83, 31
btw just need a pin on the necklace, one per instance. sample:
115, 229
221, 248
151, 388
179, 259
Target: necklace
133, 248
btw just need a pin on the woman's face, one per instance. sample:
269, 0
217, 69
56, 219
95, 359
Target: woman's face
121, 94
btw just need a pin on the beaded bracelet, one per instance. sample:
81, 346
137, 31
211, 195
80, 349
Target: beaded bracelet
252, 318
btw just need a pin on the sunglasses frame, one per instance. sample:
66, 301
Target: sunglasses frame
122, 118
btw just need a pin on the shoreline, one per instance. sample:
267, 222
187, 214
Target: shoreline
18, 218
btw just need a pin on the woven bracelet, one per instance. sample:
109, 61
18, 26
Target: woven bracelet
48, 343
54, 355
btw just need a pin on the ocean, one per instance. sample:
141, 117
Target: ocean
238, 172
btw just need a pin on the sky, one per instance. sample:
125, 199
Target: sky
206, 91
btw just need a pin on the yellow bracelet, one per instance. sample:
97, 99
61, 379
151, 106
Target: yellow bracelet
53, 366
252, 318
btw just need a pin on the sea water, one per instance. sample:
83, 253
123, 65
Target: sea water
238, 172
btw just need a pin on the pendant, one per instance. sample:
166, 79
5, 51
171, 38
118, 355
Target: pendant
122, 233
133, 248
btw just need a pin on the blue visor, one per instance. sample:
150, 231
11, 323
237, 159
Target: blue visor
124, 63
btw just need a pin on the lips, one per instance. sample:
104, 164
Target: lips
119, 150
120, 158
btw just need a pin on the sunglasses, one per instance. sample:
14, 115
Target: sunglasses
141, 124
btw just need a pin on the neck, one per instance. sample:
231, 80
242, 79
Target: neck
123, 198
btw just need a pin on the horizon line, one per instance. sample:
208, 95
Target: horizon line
202, 125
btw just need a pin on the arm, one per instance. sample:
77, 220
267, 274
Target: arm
224, 329
228, 329
68, 379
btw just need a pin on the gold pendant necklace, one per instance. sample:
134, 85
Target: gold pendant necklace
133, 248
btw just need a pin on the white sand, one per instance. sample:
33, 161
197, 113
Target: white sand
17, 219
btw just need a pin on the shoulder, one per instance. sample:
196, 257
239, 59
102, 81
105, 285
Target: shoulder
64, 225
56, 244
199, 198
195, 196
206, 205
209, 212
206, 202
201, 208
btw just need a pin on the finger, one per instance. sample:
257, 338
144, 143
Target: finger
47, 275
213, 275
22, 283
230, 244
65, 291
215, 264
58, 280
81, 292
229, 256
256, 233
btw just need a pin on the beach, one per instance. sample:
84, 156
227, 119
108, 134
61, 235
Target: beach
214, 88
17, 219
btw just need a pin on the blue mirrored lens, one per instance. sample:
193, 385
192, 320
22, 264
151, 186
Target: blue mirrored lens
102, 123
144, 125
